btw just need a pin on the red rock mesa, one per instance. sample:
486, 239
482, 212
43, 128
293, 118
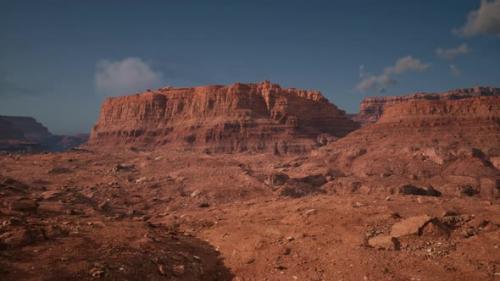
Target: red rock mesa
239, 117
371, 108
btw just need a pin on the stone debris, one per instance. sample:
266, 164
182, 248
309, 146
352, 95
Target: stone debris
409, 226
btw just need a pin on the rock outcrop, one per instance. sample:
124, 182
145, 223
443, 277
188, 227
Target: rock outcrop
372, 108
22, 127
239, 117
449, 143
20, 133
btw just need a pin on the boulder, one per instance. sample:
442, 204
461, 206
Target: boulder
409, 189
467, 190
410, 226
277, 179
490, 187
24, 205
384, 242
495, 161
435, 228
299, 187
124, 167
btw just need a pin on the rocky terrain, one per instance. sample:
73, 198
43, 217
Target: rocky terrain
240, 117
413, 196
25, 134
448, 144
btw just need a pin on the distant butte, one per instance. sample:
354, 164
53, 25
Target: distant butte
234, 118
372, 108
26, 134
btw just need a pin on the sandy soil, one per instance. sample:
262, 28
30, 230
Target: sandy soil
174, 215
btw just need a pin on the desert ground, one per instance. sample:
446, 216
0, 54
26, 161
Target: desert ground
181, 215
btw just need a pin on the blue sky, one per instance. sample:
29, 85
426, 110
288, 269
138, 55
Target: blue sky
60, 59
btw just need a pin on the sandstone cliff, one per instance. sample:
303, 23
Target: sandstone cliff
371, 108
239, 117
450, 142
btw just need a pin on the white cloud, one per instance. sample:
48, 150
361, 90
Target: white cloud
406, 64
379, 83
485, 20
455, 71
452, 53
125, 76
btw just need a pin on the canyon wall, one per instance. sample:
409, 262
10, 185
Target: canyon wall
449, 142
372, 108
234, 118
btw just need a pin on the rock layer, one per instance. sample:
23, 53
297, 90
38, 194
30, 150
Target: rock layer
372, 108
239, 117
448, 143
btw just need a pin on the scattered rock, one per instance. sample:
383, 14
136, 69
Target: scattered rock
24, 205
310, 212
409, 189
409, 226
277, 179
97, 272
52, 231
449, 213
435, 228
104, 206
467, 190
453, 220
195, 193
495, 161
51, 194
385, 242
395, 215
204, 205
162, 269
357, 204
299, 187
178, 269
16, 238
141, 180
286, 251
469, 232
52, 207
124, 167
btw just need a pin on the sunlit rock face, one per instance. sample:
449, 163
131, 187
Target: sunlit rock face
372, 108
449, 141
234, 118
